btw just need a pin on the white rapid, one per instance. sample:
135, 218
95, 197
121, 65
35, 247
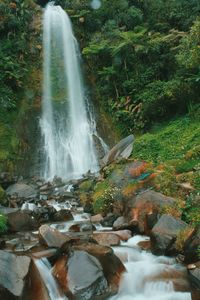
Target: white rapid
139, 282
44, 269
67, 124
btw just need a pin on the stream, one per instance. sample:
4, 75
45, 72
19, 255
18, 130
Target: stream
148, 276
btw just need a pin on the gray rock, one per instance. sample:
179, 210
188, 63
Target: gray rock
51, 237
85, 278
13, 271
109, 220
194, 277
21, 190
122, 150
164, 234
120, 223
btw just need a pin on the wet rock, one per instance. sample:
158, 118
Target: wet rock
21, 245
44, 214
164, 234
194, 277
82, 227
52, 237
145, 207
106, 239
112, 266
35, 288
178, 277
109, 220
21, 190
6, 179
191, 246
195, 295
144, 245
13, 272
120, 223
21, 221
96, 218
122, 150
2, 244
124, 235
79, 285
63, 215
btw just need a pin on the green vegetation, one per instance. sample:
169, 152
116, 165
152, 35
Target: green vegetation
19, 51
176, 142
3, 224
142, 63
142, 57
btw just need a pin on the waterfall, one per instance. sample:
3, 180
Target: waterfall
67, 124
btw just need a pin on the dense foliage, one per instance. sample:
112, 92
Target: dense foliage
19, 53
142, 57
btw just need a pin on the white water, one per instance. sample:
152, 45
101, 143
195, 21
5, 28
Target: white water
141, 267
44, 269
67, 123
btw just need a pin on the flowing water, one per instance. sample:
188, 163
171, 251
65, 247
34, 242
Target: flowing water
140, 282
67, 123
44, 268
148, 277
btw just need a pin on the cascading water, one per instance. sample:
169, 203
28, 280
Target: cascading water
66, 123
44, 268
139, 282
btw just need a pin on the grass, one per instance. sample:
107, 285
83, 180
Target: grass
169, 142
174, 149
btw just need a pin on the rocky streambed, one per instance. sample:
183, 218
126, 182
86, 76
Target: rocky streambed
53, 250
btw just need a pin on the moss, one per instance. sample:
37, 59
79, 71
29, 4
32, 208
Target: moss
86, 186
182, 236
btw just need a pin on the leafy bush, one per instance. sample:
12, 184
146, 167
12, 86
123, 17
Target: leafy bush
103, 202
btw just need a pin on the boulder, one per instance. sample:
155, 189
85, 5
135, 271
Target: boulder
191, 246
194, 276
120, 223
164, 234
63, 215
124, 235
144, 245
21, 221
13, 273
76, 284
178, 276
96, 218
106, 238
51, 237
112, 265
195, 295
145, 207
122, 150
21, 190
109, 220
